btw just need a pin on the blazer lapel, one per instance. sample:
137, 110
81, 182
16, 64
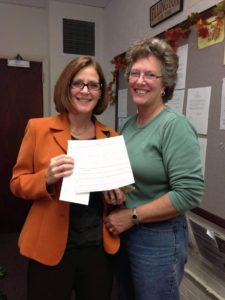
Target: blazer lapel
62, 138
60, 130
101, 131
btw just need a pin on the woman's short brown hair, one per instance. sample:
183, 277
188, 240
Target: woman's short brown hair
166, 55
62, 97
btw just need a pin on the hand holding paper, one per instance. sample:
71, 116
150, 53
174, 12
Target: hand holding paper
99, 165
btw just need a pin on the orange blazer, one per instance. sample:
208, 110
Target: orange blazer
44, 234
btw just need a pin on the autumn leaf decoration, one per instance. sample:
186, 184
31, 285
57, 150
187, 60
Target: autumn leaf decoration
176, 34
119, 63
215, 24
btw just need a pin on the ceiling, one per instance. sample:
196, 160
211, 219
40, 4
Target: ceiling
44, 3
96, 3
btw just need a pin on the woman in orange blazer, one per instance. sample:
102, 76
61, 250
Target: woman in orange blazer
67, 244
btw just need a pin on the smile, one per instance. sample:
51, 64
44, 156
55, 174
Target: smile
83, 99
141, 91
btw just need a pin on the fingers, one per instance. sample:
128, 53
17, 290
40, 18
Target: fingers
106, 197
109, 197
114, 223
59, 166
114, 197
118, 221
120, 196
61, 159
112, 229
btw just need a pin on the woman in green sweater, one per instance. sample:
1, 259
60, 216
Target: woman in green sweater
165, 157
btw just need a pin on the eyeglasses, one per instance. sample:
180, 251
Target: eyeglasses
146, 76
92, 86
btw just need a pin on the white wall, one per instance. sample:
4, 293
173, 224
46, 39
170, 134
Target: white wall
58, 11
24, 30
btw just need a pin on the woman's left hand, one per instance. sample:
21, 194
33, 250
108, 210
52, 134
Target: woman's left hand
114, 197
119, 220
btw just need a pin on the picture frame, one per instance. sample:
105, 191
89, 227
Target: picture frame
163, 10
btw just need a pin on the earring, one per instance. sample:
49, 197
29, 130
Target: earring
163, 93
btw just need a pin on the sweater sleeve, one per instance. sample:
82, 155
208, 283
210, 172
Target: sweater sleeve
182, 160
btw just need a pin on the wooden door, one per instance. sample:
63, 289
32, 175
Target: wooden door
21, 98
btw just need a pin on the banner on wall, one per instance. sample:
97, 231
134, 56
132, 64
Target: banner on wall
214, 30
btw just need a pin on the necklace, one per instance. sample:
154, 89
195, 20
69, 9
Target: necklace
78, 133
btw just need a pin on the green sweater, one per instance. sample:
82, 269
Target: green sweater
165, 158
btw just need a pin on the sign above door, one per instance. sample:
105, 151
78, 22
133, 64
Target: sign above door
164, 9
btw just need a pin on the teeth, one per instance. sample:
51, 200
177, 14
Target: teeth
83, 100
140, 91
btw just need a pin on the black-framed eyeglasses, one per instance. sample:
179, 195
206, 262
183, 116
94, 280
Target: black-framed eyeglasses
91, 85
146, 75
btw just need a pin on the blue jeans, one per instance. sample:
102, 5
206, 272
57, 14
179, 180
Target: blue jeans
151, 259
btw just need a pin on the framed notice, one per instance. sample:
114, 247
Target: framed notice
164, 9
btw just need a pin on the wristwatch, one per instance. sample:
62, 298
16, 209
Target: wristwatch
134, 216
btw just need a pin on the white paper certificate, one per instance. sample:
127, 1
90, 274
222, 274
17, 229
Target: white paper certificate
198, 101
100, 165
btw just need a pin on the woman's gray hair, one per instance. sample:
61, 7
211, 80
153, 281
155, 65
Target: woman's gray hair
166, 55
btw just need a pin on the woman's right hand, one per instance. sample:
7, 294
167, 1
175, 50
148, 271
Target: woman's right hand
59, 167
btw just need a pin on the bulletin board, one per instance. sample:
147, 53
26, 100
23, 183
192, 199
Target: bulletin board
205, 68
